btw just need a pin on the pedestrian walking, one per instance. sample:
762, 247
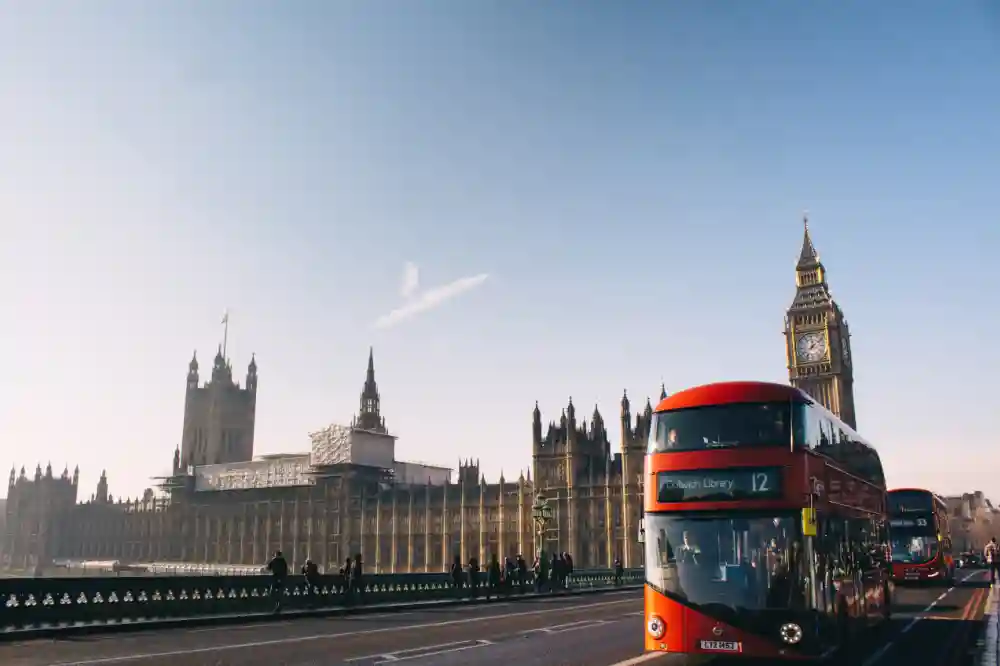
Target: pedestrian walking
990, 553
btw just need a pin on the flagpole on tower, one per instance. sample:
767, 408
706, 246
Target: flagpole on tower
225, 333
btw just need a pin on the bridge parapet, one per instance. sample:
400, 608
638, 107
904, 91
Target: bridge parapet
32, 603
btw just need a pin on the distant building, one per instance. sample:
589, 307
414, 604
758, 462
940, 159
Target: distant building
973, 520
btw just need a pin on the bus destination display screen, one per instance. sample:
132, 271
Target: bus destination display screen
909, 523
719, 485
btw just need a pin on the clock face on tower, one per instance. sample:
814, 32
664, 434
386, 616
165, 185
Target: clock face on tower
811, 347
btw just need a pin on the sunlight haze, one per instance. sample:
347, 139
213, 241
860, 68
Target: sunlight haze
508, 201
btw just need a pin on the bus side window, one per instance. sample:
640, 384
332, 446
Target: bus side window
830, 548
864, 538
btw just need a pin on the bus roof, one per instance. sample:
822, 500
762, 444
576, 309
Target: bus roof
912, 490
726, 393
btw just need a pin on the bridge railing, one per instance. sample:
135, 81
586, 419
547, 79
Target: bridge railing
27, 603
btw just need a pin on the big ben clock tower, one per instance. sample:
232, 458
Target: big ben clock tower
817, 338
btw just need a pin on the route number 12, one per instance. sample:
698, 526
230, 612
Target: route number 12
760, 483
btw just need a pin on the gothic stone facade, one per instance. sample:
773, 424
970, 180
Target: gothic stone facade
347, 509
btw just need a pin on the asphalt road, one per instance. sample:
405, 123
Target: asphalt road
932, 627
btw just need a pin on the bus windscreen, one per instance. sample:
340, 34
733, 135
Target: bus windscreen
910, 501
721, 427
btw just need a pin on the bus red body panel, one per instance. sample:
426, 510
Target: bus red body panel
764, 525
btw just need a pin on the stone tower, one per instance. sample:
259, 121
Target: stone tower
817, 338
576, 472
634, 435
38, 517
370, 415
219, 416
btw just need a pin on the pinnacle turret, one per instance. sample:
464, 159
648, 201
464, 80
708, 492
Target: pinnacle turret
808, 256
369, 417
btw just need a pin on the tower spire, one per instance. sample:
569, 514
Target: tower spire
369, 417
808, 256
225, 334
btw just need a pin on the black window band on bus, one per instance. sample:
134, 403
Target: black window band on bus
738, 425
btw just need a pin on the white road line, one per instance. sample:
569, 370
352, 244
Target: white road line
878, 654
569, 626
393, 659
642, 659
322, 637
399, 654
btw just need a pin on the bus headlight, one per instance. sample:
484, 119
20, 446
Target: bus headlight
791, 633
656, 627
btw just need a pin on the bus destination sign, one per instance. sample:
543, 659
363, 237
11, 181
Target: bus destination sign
908, 522
719, 485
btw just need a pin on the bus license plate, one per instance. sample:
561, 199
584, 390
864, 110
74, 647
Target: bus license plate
720, 646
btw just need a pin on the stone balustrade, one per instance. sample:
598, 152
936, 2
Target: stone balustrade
51, 603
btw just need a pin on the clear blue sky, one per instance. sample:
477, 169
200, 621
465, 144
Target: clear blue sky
631, 176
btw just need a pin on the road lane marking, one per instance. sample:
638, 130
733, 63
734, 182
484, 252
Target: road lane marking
641, 659
290, 640
472, 645
922, 615
960, 633
568, 626
423, 651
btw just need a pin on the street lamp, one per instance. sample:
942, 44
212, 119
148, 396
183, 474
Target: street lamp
541, 513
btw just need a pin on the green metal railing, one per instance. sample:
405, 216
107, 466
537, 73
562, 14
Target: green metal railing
30, 603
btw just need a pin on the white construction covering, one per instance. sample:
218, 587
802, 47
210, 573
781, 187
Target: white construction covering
341, 445
270, 472
335, 445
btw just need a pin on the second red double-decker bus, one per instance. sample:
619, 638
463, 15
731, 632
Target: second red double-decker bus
920, 537
765, 530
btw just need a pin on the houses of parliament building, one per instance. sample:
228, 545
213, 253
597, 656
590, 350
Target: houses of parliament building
349, 494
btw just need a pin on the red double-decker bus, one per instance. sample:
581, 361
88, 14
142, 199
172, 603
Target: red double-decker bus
765, 526
920, 537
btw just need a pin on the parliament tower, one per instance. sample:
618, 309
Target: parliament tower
218, 416
817, 338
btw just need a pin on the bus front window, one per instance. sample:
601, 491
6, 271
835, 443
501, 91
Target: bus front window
913, 548
721, 426
731, 563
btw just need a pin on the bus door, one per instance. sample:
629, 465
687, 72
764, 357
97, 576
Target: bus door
810, 531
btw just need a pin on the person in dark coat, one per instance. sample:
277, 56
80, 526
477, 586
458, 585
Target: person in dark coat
311, 573
493, 575
278, 566
456, 573
345, 580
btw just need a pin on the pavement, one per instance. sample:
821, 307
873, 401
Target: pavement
931, 627
991, 631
